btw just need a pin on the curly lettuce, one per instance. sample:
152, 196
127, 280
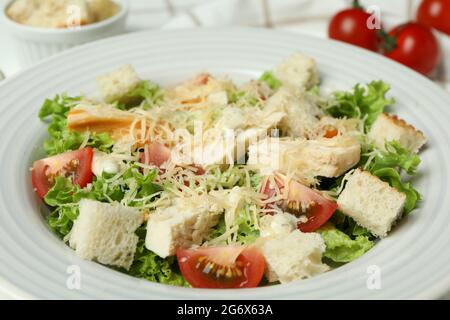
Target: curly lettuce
64, 195
242, 98
390, 164
149, 266
146, 94
365, 103
146, 264
341, 248
344, 239
271, 81
247, 231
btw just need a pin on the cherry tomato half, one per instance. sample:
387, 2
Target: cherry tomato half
318, 208
73, 164
222, 267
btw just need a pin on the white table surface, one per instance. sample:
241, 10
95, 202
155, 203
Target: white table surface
304, 16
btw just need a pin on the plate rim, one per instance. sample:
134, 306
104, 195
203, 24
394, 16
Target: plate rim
437, 291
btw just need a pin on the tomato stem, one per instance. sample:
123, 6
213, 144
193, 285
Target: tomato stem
388, 42
357, 5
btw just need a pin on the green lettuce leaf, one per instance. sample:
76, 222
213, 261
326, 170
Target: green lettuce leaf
61, 140
59, 105
247, 232
394, 179
364, 103
349, 226
342, 248
396, 157
149, 266
149, 92
242, 98
217, 230
388, 166
269, 78
64, 195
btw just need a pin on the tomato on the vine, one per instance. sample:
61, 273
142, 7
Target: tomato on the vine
353, 25
435, 14
413, 45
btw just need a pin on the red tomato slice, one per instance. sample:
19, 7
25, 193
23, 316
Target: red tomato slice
222, 267
73, 164
318, 209
155, 154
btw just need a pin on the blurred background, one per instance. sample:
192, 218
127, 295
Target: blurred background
300, 16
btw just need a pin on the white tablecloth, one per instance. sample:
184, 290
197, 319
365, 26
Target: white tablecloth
303, 16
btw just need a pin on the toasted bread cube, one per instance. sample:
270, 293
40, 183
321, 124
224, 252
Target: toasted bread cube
293, 256
50, 13
105, 233
301, 115
297, 71
115, 85
371, 202
389, 127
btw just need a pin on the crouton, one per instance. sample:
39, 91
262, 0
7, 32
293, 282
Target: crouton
293, 256
371, 202
301, 114
390, 127
105, 233
49, 13
297, 71
115, 85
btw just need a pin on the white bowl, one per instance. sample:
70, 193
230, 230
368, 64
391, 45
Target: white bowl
34, 43
413, 261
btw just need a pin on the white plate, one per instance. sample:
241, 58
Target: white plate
414, 261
